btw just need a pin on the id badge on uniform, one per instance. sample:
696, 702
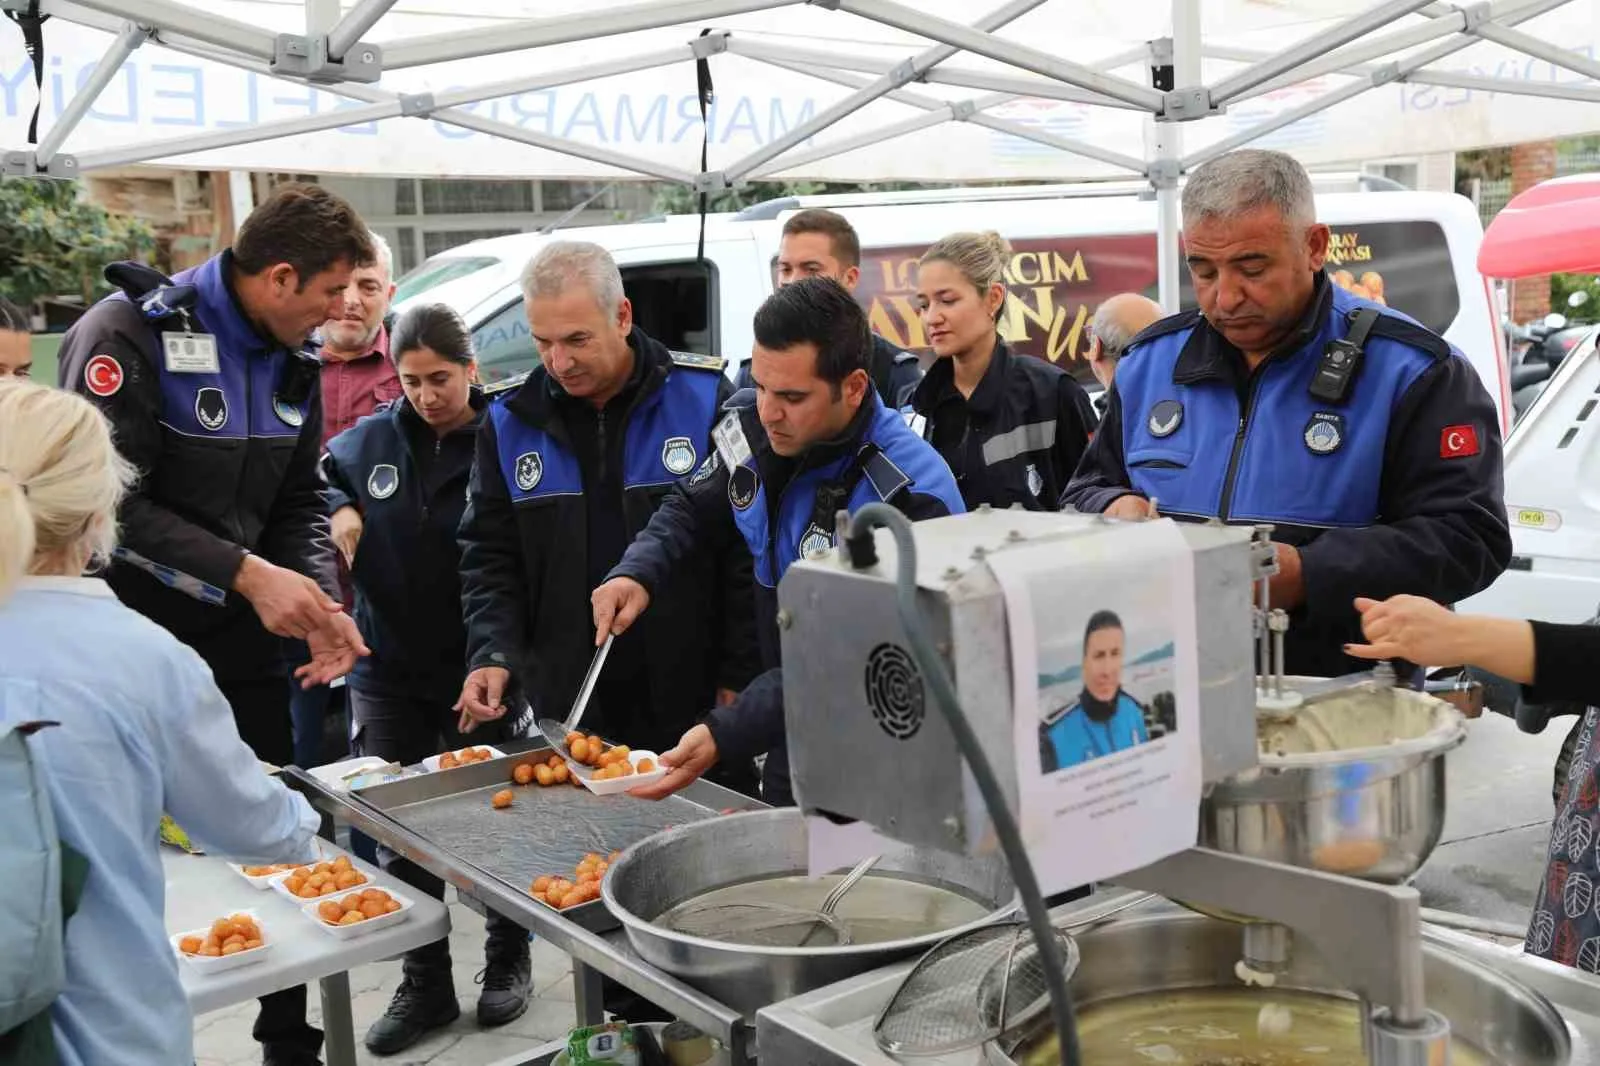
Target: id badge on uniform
190, 353
730, 442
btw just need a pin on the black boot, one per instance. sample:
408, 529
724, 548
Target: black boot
507, 975
425, 1000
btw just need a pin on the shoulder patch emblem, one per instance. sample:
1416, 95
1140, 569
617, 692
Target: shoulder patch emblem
1458, 442
1165, 418
383, 481
211, 408
1324, 433
815, 539
287, 413
529, 469
678, 455
103, 376
1035, 480
742, 488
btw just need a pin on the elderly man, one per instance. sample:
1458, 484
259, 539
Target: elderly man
1116, 322
571, 465
1364, 439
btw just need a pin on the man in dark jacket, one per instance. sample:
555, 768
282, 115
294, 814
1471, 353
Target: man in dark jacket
224, 541
571, 466
818, 243
816, 439
1366, 441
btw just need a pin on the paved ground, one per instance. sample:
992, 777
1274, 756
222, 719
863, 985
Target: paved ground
1489, 860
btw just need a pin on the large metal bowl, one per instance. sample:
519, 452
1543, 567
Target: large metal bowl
1505, 1020
681, 863
1372, 809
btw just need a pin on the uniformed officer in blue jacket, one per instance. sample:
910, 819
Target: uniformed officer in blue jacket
1103, 718
818, 243
571, 464
1364, 439
811, 439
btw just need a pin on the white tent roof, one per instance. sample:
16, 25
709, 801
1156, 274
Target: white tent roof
834, 89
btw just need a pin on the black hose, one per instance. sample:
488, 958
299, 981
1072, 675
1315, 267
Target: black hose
858, 544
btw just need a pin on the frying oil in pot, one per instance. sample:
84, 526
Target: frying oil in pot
1221, 1027
877, 910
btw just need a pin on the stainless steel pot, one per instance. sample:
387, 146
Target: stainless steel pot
1371, 808
1507, 1021
679, 864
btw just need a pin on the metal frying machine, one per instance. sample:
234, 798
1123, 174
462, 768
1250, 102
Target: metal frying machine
866, 743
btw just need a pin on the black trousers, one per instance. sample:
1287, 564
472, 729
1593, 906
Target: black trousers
261, 712
407, 729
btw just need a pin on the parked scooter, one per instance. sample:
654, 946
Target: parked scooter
1548, 343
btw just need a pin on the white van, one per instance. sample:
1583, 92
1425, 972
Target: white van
1073, 246
1553, 500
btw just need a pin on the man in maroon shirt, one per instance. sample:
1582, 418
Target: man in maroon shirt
357, 376
357, 373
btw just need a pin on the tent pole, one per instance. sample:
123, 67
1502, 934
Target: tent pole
1547, 90
1168, 154
348, 30
163, 15
1318, 44
809, 61
902, 74
1530, 45
945, 111
131, 37
901, 17
384, 106
564, 29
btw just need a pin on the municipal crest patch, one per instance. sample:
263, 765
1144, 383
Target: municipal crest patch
383, 481
287, 413
742, 487
815, 539
1324, 433
211, 408
529, 470
678, 456
1035, 480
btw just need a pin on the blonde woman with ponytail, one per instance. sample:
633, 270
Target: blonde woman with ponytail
141, 730
1012, 427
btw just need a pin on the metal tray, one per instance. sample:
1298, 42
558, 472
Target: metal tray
546, 830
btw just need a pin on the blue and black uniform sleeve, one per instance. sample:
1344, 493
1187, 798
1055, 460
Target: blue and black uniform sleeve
694, 516
1102, 472
494, 582
1443, 531
338, 490
151, 535
296, 534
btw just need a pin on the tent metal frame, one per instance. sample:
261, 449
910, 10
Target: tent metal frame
333, 56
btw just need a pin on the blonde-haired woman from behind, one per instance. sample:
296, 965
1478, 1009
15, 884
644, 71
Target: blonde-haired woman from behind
141, 730
1011, 427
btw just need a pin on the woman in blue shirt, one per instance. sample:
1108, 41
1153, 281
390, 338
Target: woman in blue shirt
1104, 718
142, 730
397, 484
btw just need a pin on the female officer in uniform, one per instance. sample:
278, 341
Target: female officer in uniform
1012, 427
398, 486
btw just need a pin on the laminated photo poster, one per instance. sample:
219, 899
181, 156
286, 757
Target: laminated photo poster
1107, 736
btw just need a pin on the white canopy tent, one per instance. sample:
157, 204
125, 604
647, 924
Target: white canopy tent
828, 89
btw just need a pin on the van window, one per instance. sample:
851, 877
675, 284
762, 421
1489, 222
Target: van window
437, 271
673, 302
1056, 283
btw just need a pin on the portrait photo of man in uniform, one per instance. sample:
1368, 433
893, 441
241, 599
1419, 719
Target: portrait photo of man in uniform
1103, 717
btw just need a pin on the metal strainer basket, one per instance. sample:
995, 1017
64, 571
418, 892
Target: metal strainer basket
969, 989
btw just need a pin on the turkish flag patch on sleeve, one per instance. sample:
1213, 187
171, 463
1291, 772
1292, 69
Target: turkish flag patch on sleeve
1458, 442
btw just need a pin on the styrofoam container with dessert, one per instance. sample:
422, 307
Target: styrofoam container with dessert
326, 852
210, 964
278, 884
610, 786
431, 763
356, 929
